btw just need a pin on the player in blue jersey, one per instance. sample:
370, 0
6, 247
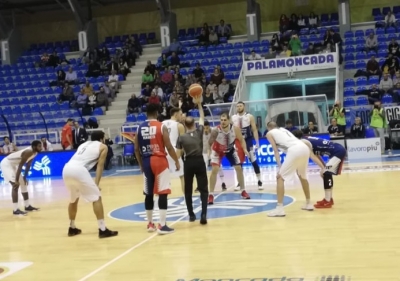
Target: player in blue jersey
336, 154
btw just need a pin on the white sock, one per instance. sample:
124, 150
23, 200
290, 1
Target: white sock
307, 201
328, 194
26, 203
149, 214
72, 224
163, 217
15, 206
101, 224
279, 205
259, 177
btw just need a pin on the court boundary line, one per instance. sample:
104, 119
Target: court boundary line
134, 247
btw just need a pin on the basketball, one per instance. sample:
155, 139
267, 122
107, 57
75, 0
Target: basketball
195, 90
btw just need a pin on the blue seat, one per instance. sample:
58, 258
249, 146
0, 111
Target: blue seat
347, 102
349, 92
349, 57
238, 45
361, 56
349, 41
129, 150
361, 64
361, 89
390, 30
362, 101
349, 49
374, 79
349, 83
131, 118
359, 33
361, 81
349, 65
387, 99
360, 41
141, 117
376, 11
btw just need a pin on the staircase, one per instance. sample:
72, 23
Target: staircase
116, 114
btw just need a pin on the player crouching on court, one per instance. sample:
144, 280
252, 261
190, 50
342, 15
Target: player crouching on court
336, 154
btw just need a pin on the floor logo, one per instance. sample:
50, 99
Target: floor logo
225, 205
9, 268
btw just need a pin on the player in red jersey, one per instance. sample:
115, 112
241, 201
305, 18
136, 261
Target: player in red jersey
150, 143
227, 140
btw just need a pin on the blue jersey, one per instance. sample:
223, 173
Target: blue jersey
150, 138
326, 148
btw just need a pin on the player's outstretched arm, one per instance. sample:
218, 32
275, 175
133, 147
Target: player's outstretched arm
201, 111
100, 163
275, 148
254, 130
169, 147
137, 152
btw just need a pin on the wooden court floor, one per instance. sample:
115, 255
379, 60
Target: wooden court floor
356, 240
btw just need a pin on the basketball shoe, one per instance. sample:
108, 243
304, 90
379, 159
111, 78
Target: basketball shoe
18, 212
245, 195
324, 204
107, 233
74, 231
308, 207
30, 208
278, 212
151, 227
162, 230
210, 199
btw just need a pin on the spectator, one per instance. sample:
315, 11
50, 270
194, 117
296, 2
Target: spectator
310, 129
396, 78
213, 37
328, 49
44, 59
174, 47
223, 90
396, 92
46, 145
104, 54
103, 67
203, 38
301, 22
374, 94
312, 20
166, 79
154, 98
67, 94
336, 39
129, 56
92, 100
371, 44
8, 146
54, 60
79, 134
109, 92
113, 81
175, 60
123, 67
146, 93
334, 129
378, 123
310, 50
113, 66
390, 20
391, 65
206, 30
216, 77
394, 48
295, 45
87, 89
283, 23
224, 30
338, 113
102, 99
66, 135
157, 77
276, 43
293, 23
208, 97
386, 83
90, 55
285, 53
373, 67
147, 79
71, 77
327, 38
150, 68
190, 80
289, 125
133, 104
217, 96
158, 91
254, 56
271, 54
178, 88
94, 69
81, 100
220, 70
198, 71
60, 79
357, 130
174, 99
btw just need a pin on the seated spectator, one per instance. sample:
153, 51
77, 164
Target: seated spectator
271, 54
334, 129
150, 67
283, 24
157, 77
71, 77
203, 82
396, 78
123, 67
44, 59
295, 45
8, 146
373, 67
198, 71
87, 89
328, 49
46, 145
224, 30
386, 83
67, 94
145, 94
289, 125
203, 38
158, 91
109, 92
190, 80
253, 56
208, 97
174, 47
102, 99
90, 55
216, 77
310, 129
213, 37
92, 101
310, 50
276, 43
166, 79
312, 20
113, 81
60, 79
133, 105
154, 99
391, 65
112, 66
371, 44
103, 67
327, 38
390, 20
129, 55
293, 23
147, 79
218, 66
396, 92
374, 94
285, 53
174, 60
81, 100
206, 29
394, 48
178, 77
357, 130
223, 90
174, 99
94, 69
54, 60
301, 22
178, 88
104, 54
217, 95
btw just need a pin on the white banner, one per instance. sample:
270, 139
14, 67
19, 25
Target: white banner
363, 148
392, 113
295, 64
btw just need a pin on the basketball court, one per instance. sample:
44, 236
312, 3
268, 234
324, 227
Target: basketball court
356, 240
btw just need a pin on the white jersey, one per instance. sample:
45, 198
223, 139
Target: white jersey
284, 139
15, 158
225, 141
87, 155
244, 123
172, 126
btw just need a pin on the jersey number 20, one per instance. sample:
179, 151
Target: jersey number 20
148, 131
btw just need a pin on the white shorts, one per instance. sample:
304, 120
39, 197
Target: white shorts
334, 165
296, 161
172, 168
79, 182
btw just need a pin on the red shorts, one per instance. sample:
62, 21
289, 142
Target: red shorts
235, 156
156, 176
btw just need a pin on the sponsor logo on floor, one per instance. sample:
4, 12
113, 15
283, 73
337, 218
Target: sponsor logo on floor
9, 268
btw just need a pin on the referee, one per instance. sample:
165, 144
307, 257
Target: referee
191, 144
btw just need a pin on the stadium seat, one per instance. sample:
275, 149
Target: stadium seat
362, 100
349, 83
349, 92
361, 81
348, 102
387, 99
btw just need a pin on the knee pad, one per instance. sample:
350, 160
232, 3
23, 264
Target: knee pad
163, 201
328, 180
149, 202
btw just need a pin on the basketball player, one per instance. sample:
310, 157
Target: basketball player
175, 129
245, 121
79, 182
336, 153
297, 155
227, 140
11, 166
150, 143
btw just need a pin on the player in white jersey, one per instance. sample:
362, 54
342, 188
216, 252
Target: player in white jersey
227, 141
245, 121
296, 161
11, 166
79, 182
175, 129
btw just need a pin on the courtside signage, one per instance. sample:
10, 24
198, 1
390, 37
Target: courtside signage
285, 65
392, 113
363, 148
225, 205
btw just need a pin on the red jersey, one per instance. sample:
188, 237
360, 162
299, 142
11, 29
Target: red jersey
150, 137
66, 131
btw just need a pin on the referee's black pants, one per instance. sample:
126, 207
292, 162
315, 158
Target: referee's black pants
195, 166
